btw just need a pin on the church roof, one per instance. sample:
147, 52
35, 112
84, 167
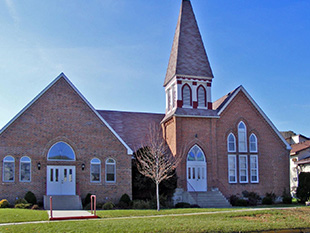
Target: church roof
188, 56
132, 127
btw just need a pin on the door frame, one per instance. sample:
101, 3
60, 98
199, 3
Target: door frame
53, 188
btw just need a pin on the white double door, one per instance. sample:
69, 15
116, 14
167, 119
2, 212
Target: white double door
60, 180
196, 176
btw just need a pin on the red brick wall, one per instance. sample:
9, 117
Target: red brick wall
273, 159
210, 134
61, 115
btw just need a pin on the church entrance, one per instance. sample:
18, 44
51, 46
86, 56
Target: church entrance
196, 170
60, 180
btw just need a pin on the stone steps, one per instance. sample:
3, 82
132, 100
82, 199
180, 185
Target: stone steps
63, 202
210, 199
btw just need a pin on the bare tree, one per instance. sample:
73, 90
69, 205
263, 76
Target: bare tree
155, 160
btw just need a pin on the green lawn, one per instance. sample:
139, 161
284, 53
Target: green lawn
22, 215
254, 220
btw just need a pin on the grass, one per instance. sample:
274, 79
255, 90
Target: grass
245, 221
22, 215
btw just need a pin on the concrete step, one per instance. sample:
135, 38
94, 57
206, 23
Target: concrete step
63, 202
210, 199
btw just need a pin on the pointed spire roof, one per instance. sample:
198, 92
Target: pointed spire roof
188, 56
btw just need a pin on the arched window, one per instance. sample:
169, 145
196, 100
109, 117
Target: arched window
231, 143
110, 170
61, 151
187, 95
201, 96
242, 138
95, 170
8, 169
195, 154
253, 143
25, 169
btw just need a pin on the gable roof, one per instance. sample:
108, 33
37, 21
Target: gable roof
131, 126
63, 76
296, 148
188, 56
221, 104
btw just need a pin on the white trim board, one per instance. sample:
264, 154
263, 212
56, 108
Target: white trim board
241, 88
62, 75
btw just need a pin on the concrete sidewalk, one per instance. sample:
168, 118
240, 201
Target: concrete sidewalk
70, 214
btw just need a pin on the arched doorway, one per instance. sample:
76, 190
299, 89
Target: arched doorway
196, 170
60, 178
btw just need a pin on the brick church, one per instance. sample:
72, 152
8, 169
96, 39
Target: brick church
60, 145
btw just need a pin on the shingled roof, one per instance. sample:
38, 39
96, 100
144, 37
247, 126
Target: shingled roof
132, 127
188, 56
296, 148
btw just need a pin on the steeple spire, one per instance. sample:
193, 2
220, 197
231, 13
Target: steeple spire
188, 56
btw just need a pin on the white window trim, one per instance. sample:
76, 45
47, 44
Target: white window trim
236, 179
61, 160
8, 181
255, 182
246, 169
99, 171
245, 137
234, 143
106, 171
20, 170
256, 144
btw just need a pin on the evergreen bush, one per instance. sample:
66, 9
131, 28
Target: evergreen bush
182, 205
141, 204
124, 201
30, 197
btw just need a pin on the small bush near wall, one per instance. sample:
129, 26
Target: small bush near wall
124, 202
21, 201
30, 197
182, 205
86, 200
4, 203
141, 204
108, 206
269, 199
22, 206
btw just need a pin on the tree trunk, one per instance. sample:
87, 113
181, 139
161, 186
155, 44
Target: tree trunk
157, 196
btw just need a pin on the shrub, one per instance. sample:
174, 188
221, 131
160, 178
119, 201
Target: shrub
86, 200
22, 206
267, 201
287, 200
182, 205
21, 201
108, 206
195, 206
124, 201
141, 204
4, 203
241, 202
253, 198
30, 197
87, 207
233, 199
162, 201
303, 189
35, 207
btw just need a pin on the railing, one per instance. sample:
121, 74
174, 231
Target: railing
93, 204
51, 206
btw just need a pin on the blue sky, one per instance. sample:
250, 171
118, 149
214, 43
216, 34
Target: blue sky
116, 52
